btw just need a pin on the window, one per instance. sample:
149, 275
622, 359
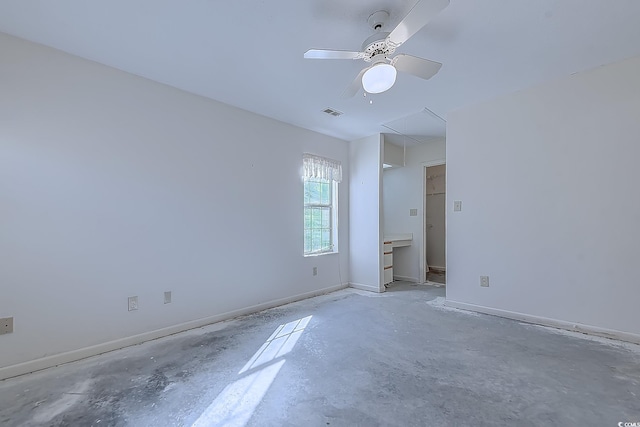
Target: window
320, 178
318, 216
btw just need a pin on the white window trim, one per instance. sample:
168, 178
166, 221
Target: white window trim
333, 222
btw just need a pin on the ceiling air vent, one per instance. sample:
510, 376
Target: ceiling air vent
332, 112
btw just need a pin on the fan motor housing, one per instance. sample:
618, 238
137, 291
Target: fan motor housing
376, 45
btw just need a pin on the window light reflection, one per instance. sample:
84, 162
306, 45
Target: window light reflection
235, 405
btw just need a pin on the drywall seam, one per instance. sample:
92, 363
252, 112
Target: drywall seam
83, 353
363, 287
545, 321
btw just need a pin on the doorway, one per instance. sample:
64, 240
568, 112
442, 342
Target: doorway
434, 224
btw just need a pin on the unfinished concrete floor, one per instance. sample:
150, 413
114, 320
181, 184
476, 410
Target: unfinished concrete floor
437, 277
355, 359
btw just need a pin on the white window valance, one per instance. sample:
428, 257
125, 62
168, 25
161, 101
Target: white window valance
321, 167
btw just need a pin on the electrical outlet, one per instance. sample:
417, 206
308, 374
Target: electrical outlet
315, 271
457, 205
133, 303
167, 297
6, 325
484, 281
413, 212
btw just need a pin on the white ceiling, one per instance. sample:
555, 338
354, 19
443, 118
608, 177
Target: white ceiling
248, 53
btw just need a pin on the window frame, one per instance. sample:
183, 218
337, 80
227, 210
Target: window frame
333, 217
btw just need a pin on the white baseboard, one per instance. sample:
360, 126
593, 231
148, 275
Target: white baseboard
83, 353
362, 287
406, 279
545, 321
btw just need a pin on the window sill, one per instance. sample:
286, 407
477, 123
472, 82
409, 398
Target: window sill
320, 254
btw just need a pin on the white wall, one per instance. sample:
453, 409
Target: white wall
112, 185
365, 222
549, 183
403, 190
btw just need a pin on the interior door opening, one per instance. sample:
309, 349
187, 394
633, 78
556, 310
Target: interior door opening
435, 230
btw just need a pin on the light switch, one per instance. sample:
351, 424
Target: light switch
413, 212
457, 205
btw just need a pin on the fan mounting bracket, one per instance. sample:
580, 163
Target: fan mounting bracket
378, 20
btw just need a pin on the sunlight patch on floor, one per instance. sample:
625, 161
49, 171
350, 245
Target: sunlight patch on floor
281, 342
235, 405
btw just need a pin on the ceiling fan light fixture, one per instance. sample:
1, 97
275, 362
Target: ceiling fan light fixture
379, 78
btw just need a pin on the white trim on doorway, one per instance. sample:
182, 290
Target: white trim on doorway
423, 249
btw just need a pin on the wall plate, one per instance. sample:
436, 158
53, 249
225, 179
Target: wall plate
6, 325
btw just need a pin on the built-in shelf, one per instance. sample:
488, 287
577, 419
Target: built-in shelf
393, 241
398, 240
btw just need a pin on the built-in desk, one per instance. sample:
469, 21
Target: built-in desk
393, 241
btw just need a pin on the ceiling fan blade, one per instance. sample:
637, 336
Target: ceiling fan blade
419, 67
332, 54
417, 18
355, 85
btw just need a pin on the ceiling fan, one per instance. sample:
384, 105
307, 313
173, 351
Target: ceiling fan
377, 50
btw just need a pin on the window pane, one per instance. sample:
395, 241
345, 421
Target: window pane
307, 241
314, 192
325, 197
317, 217
307, 192
307, 218
326, 238
316, 239
326, 218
